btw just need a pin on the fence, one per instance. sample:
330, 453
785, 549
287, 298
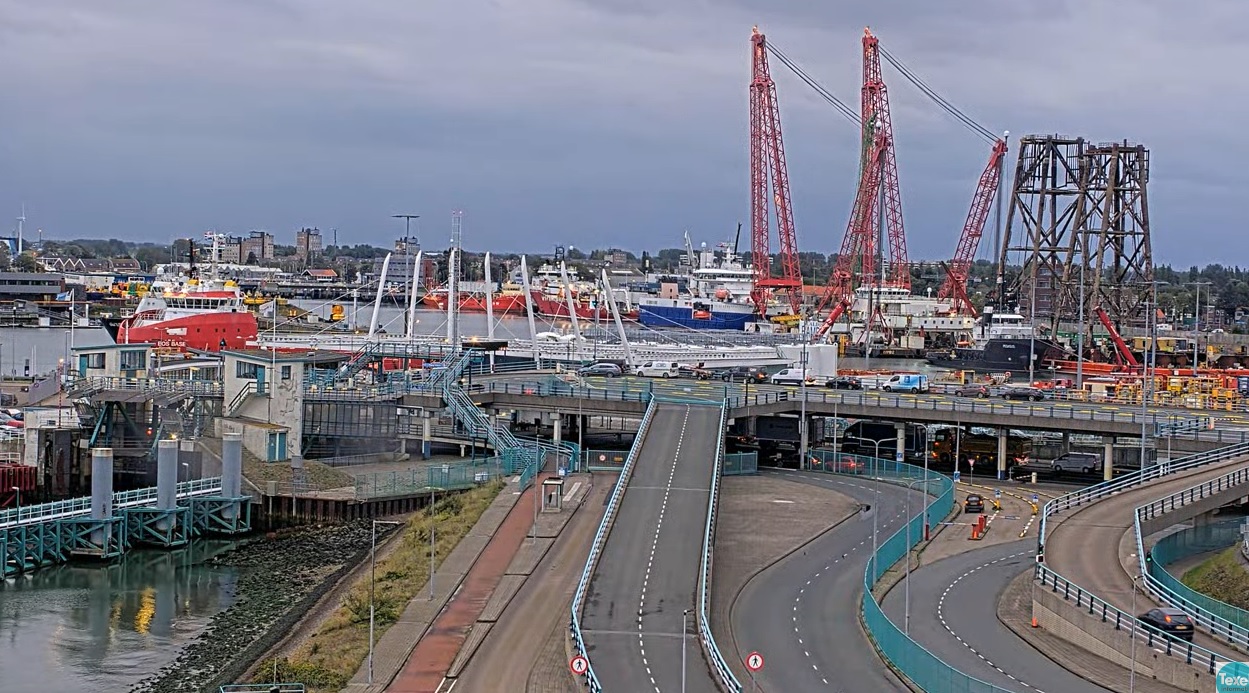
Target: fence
62, 510
596, 548
603, 460
718, 665
1190, 542
740, 463
451, 476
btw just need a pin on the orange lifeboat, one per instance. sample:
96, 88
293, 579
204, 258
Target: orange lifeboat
722, 294
702, 315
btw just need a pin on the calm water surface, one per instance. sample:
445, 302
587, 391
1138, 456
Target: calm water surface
80, 627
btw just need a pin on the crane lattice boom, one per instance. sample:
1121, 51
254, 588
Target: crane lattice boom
955, 284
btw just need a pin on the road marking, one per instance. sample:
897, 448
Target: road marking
663, 508
946, 625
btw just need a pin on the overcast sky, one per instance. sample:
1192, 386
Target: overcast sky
585, 122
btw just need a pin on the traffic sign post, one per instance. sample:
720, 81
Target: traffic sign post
579, 665
957, 474
1035, 499
997, 493
971, 470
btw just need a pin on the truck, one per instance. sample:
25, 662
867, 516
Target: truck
861, 438
981, 447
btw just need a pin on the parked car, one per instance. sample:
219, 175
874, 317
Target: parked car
693, 372
658, 369
742, 374
909, 382
974, 503
981, 391
844, 383
789, 376
606, 370
1032, 394
1086, 462
1173, 622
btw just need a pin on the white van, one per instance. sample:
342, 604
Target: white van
788, 376
906, 383
658, 369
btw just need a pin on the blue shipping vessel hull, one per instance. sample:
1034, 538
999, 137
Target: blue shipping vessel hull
682, 316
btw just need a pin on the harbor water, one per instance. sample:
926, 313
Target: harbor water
81, 627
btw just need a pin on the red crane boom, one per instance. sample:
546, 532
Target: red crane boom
767, 164
955, 284
877, 122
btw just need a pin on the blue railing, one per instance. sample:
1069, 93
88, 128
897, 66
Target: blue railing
1223, 620
1191, 542
74, 507
596, 548
718, 664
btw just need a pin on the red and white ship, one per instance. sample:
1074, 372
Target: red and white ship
511, 301
194, 315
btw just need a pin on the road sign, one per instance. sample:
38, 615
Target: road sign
754, 661
898, 456
971, 463
602, 458
956, 476
1034, 498
579, 665
997, 493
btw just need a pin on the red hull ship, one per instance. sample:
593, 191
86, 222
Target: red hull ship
189, 317
502, 304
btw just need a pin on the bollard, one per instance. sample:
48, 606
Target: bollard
102, 494
1034, 477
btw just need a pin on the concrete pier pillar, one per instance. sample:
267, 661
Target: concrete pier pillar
557, 427
1003, 436
1066, 441
102, 493
1108, 460
167, 474
231, 465
427, 436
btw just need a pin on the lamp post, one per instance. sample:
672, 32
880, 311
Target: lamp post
906, 618
1135, 621
876, 486
432, 528
684, 627
802, 417
1197, 319
372, 577
1151, 358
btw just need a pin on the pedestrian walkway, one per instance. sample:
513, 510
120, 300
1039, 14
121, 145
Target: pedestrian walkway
393, 649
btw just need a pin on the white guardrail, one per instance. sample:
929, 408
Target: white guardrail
1219, 626
704, 576
600, 540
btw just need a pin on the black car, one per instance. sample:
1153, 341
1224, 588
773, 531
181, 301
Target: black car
974, 503
844, 383
1173, 622
742, 374
1032, 394
609, 370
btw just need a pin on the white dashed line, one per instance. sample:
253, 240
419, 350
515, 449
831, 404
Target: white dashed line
663, 508
944, 624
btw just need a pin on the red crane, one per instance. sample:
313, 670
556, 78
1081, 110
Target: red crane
877, 124
955, 284
767, 164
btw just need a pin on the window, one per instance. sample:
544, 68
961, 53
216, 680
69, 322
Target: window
95, 360
286, 372
132, 360
244, 369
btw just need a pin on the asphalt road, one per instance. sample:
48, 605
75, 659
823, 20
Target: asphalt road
801, 614
954, 616
648, 574
1084, 546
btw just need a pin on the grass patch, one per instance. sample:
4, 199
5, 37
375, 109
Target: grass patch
332, 655
320, 476
1223, 577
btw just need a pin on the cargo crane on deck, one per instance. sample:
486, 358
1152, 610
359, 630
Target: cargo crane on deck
767, 163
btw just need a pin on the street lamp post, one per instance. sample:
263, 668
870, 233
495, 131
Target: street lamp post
432, 529
372, 580
1151, 358
1135, 621
876, 486
1197, 319
802, 417
906, 609
684, 627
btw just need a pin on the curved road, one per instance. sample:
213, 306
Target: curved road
1084, 546
801, 614
648, 574
954, 616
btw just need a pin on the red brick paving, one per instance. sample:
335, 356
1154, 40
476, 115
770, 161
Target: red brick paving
434, 654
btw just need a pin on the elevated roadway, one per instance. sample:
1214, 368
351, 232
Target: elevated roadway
1088, 545
802, 612
647, 576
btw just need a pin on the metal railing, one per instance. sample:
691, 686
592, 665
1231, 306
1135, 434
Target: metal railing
74, 507
596, 548
1153, 638
1210, 614
1105, 488
1190, 542
190, 386
718, 665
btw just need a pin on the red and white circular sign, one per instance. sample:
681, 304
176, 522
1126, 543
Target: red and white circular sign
579, 665
754, 661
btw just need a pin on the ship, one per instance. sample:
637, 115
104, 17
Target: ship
185, 312
207, 316
553, 286
1000, 343
506, 303
717, 297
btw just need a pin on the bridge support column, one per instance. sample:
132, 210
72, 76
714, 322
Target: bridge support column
1203, 519
427, 435
1003, 436
1108, 458
102, 534
102, 493
167, 524
556, 427
1066, 441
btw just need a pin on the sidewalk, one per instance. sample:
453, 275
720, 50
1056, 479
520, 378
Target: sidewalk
391, 652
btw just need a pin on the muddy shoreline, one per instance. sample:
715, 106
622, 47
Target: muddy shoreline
281, 577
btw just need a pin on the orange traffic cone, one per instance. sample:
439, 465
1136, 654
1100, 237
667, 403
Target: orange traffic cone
1034, 624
